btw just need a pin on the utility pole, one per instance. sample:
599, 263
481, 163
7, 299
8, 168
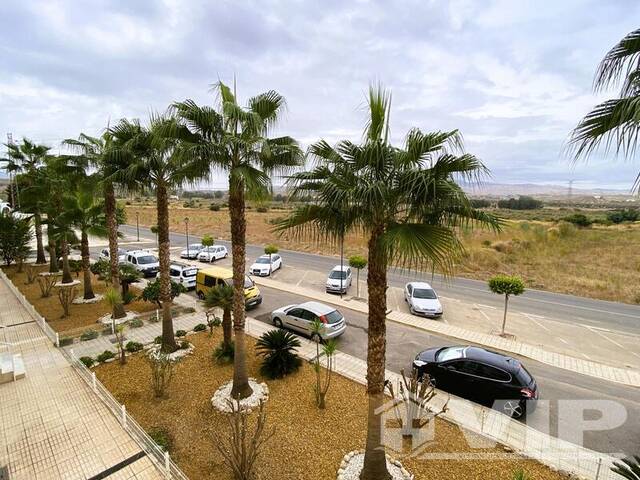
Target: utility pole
11, 186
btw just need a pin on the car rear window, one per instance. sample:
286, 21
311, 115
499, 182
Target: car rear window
147, 259
523, 376
450, 353
333, 317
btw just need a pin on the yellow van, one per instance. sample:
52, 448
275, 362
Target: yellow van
212, 276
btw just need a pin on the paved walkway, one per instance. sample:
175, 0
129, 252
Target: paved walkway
52, 426
559, 360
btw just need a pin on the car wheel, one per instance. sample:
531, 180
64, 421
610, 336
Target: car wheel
512, 408
201, 295
411, 310
277, 322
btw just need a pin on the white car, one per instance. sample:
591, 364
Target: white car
422, 299
122, 255
339, 279
144, 261
264, 265
191, 251
183, 274
213, 253
300, 317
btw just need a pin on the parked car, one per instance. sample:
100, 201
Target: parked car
212, 253
122, 255
264, 265
339, 279
208, 278
300, 317
422, 299
144, 261
183, 274
191, 251
486, 377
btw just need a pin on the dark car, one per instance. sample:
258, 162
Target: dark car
486, 377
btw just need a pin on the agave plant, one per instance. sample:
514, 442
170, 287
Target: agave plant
277, 347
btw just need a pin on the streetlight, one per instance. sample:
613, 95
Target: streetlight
186, 226
138, 225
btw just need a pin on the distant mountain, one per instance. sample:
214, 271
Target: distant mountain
505, 189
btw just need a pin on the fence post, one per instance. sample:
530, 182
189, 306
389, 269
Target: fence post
598, 469
93, 381
57, 339
124, 415
167, 464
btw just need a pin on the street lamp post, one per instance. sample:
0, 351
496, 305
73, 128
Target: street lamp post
186, 226
138, 225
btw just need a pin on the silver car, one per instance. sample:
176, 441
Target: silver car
300, 317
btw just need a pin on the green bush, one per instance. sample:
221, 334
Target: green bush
89, 335
180, 333
133, 347
521, 203
75, 266
480, 203
201, 327
223, 353
625, 215
100, 268
262, 209
128, 297
183, 345
157, 340
136, 323
151, 292
579, 220
65, 341
162, 438
277, 348
214, 207
87, 361
106, 355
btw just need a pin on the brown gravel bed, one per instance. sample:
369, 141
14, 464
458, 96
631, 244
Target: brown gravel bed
308, 443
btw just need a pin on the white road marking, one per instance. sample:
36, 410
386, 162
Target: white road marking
563, 341
595, 330
302, 278
485, 306
480, 310
530, 317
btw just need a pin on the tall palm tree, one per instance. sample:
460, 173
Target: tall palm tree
236, 140
221, 296
406, 202
27, 158
154, 162
95, 151
614, 123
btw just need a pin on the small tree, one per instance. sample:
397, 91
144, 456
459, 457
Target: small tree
207, 241
154, 230
113, 299
506, 285
241, 447
15, 235
119, 333
66, 294
358, 262
270, 249
128, 275
221, 296
328, 351
151, 292
161, 372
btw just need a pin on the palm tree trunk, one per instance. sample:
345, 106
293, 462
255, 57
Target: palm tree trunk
241, 388
53, 256
112, 226
375, 462
37, 220
86, 265
226, 327
169, 344
66, 271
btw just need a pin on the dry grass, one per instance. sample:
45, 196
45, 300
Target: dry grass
81, 316
599, 262
308, 443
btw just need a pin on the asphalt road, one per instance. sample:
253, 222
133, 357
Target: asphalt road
614, 316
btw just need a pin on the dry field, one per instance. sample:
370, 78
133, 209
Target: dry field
81, 316
600, 262
307, 444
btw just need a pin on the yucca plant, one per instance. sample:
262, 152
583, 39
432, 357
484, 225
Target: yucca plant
221, 296
277, 347
628, 468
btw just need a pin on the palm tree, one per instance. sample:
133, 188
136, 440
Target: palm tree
83, 212
407, 203
614, 123
628, 468
221, 296
95, 152
236, 141
154, 161
27, 158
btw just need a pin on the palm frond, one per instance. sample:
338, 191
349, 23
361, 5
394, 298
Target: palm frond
623, 58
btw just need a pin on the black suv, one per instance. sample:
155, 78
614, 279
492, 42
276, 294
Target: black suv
486, 377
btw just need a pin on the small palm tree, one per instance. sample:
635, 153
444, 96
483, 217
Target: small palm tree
277, 347
221, 296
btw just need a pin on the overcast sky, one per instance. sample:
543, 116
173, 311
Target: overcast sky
514, 76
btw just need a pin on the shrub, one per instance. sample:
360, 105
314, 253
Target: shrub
157, 340
15, 236
214, 207
566, 229
224, 353
162, 438
201, 327
625, 215
87, 361
480, 203
151, 292
136, 323
502, 247
133, 347
262, 209
75, 266
521, 203
128, 297
89, 335
106, 355
579, 220
64, 341
101, 269
486, 243
161, 373
180, 333
183, 345
277, 347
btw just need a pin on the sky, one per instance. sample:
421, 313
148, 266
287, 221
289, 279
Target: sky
513, 76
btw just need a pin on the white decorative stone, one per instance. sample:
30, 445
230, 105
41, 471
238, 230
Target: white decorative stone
81, 301
154, 351
106, 319
352, 463
70, 284
223, 394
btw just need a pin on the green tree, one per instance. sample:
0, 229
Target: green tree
358, 262
613, 123
151, 293
221, 296
270, 249
506, 285
236, 140
15, 235
407, 203
207, 241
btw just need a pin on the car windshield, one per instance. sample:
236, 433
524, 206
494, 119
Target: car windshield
450, 353
337, 275
248, 283
262, 260
333, 317
195, 246
147, 259
424, 293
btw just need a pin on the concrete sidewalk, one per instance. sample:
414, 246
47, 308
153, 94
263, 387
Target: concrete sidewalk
555, 359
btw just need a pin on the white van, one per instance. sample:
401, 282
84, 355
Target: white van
144, 261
